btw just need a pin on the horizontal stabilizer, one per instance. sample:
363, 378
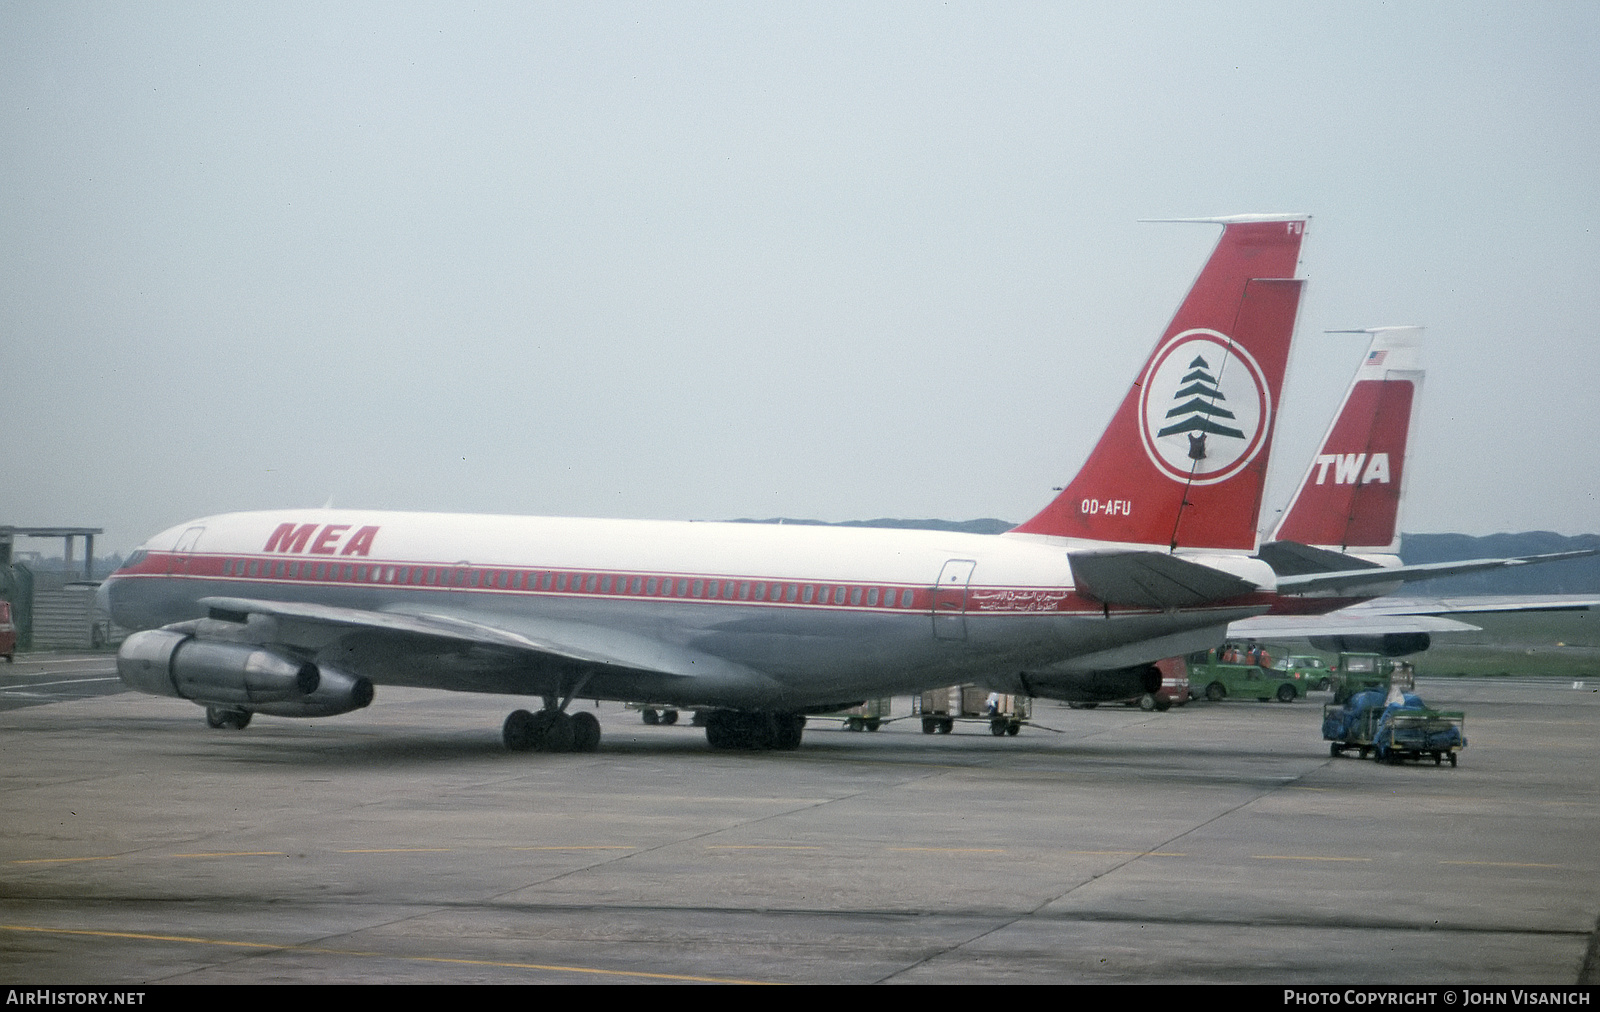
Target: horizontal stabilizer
1290, 558
1152, 580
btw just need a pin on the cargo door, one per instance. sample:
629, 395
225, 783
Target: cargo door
950, 600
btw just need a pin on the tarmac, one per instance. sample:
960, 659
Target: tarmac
1214, 843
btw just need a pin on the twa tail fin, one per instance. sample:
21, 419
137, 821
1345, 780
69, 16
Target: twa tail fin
1184, 460
1349, 499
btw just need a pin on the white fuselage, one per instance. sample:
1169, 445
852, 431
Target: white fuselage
719, 614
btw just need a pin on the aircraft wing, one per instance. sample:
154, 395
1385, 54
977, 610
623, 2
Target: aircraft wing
1353, 580
1341, 623
1401, 615
1478, 605
238, 609
435, 650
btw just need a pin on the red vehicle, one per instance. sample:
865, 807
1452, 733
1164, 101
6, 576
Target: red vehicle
1174, 689
8, 633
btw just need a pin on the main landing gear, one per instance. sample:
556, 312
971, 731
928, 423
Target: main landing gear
754, 730
551, 730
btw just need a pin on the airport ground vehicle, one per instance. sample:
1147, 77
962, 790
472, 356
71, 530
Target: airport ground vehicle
1228, 673
1354, 673
1313, 671
1174, 689
1392, 729
8, 633
869, 716
940, 709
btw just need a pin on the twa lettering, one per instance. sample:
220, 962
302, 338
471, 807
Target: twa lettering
289, 538
1347, 468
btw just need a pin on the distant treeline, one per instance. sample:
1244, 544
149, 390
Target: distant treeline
1578, 576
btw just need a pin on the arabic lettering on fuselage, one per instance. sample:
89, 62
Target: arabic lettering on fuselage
1016, 600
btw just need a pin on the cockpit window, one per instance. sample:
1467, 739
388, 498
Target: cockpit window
134, 559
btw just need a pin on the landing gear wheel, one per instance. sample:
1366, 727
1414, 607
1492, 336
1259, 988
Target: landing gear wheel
855, 723
1285, 693
517, 731
650, 716
872, 725
585, 732
226, 716
555, 734
787, 729
1216, 693
669, 716
545, 731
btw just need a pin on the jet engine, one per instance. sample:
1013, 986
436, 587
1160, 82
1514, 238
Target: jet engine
1081, 686
165, 663
335, 693
1387, 644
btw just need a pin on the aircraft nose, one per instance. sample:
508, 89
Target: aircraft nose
102, 596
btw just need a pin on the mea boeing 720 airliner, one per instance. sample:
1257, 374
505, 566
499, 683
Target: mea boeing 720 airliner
1145, 555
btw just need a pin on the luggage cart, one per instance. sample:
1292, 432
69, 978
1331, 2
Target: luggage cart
869, 716
940, 709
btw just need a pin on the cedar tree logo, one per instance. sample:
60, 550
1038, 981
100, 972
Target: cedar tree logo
1204, 408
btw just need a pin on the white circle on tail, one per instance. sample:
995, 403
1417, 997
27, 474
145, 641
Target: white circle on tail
1203, 408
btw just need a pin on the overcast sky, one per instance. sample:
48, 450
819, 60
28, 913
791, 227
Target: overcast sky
748, 260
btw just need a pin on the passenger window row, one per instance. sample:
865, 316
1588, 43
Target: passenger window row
573, 583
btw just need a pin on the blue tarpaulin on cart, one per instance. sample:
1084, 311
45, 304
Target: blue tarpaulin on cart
1342, 724
1432, 737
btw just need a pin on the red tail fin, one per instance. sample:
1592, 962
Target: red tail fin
1350, 498
1184, 460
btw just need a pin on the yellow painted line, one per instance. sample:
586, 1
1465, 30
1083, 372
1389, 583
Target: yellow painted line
191, 940
65, 860
1126, 853
237, 853
948, 850
1505, 864
1297, 857
730, 846
606, 846
399, 850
